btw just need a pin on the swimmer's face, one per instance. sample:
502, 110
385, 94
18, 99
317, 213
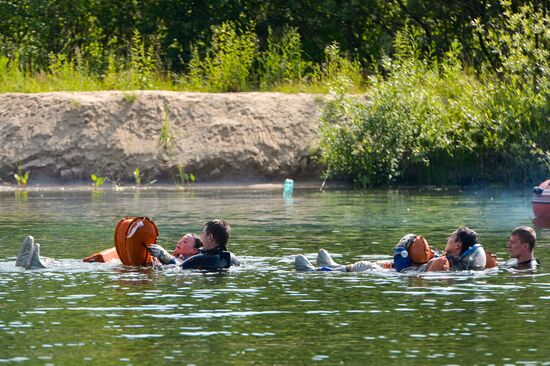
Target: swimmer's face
516, 248
453, 246
186, 246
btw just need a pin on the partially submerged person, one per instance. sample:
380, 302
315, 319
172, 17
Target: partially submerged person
187, 246
412, 253
29, 254
214, 254
462, 252
521, 247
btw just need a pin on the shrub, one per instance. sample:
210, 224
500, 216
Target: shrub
282, 61
336, 68
432, 122
227, 64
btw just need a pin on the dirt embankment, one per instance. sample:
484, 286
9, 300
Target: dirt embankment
65, 137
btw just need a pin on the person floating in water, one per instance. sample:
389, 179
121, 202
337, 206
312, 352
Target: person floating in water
521, 247
213, 255
187, 246
412, 253
462, 252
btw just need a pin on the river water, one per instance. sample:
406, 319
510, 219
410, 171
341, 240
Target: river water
264, 312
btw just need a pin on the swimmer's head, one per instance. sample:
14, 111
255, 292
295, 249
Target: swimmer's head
187, 246
460, 241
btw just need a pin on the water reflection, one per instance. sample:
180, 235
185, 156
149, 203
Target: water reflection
264, 312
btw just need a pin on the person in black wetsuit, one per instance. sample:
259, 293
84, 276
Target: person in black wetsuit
214, 254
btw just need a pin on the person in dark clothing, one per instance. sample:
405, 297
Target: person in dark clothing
213, 255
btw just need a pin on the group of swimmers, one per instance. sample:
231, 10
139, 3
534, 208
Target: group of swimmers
207, 252
462, 252
412, 253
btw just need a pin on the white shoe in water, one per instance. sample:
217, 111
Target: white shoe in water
36, 262
302, 264
29, 254
25, 253
325, 260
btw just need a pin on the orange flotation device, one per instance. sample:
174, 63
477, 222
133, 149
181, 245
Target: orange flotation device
420, 251
104, 256
491, 260
132, 237
411, 251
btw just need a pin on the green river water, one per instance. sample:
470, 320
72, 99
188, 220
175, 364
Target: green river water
76, 313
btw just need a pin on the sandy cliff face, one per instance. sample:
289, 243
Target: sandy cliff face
243, 136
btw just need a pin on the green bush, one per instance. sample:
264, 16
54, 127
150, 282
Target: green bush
282, 61
337, 68
228, 60
432, 122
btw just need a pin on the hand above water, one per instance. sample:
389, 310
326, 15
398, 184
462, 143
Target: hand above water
159, 252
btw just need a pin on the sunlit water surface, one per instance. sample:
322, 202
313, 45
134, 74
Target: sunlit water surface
264, 312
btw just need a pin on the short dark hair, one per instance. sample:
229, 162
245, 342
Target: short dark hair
467, 237
198, 242
527, 235
220, 230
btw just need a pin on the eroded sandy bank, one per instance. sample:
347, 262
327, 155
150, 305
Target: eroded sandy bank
65, 137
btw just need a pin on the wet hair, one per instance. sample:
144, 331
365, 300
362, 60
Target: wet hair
527, 235
220, 231
466, 237
198, 242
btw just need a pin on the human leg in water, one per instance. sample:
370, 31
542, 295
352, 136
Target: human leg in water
302, 264
29, 255
363, 266
325, 262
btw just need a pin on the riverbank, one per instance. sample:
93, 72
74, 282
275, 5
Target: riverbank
242, 137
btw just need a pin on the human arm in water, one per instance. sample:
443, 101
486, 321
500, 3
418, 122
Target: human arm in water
207, 261
215, 261
161, 254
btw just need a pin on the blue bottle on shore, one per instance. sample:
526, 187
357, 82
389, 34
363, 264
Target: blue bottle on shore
288, 187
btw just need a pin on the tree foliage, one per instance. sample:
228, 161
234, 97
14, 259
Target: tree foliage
432, 121
456, 91
363, 29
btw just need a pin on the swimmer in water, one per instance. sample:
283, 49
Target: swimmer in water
521, 247
29, 254
411, 253
462, 252
214, 254
187, 246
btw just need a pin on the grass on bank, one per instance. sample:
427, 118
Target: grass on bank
230, 62
424, 121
